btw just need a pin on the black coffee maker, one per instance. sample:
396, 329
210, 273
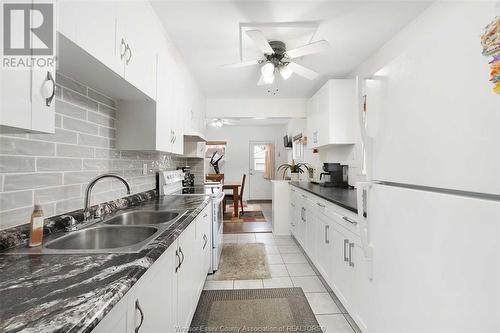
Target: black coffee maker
335, 174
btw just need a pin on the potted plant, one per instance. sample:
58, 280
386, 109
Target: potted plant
295, 169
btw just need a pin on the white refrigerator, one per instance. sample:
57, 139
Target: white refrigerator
430, 209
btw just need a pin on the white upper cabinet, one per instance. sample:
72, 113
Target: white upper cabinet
331, 114
27, 100
93, 28
137, 43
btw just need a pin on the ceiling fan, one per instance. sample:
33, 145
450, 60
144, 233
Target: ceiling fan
278, 58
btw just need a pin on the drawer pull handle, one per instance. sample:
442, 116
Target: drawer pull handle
205, 238
351, 246
178, 260
304, 196
345, 218
346, 242
138, 307
180, 252
327, 232
320, 204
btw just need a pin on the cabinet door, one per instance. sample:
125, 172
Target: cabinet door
187, 276
324, 246
91, 19
310, 237
15, 98
23, 100
179, 105
136, 24
204, 241
322, 114
338, 273
164, 106
152, 301
116, 320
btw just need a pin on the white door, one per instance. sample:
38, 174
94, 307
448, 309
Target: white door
258, 187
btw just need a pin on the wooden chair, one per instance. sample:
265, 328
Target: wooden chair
240, 196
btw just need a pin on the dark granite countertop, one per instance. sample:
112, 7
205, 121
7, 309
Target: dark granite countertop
344, 197
72, 293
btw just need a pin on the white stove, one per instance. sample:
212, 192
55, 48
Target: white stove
171, 184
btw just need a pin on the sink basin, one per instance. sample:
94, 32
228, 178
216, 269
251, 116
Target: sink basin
142, 218
103, 238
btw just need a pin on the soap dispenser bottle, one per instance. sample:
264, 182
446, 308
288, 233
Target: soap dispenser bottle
36, 226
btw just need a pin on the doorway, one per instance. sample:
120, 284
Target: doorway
259, 188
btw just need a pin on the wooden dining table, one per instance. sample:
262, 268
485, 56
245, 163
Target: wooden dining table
236, 190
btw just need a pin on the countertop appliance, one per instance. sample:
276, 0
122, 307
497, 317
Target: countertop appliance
334, 175
431, 237
171, 184
188, 176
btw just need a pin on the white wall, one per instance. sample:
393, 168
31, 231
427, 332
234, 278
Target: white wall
236, 161
270, 108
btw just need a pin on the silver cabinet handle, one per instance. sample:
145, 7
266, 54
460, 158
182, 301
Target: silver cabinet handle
130, 54
346, 242
123, 49
205, 215
205, 238
292, 204
50, 97
351, 246
304, 196
327, 231
320, 204
138, 307
178, 260
345, 218
180, 252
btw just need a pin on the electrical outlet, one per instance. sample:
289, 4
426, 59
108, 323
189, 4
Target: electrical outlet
145, 169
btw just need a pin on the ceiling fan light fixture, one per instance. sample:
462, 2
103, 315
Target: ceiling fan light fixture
268, 70
217, 123
268, 79
285, 72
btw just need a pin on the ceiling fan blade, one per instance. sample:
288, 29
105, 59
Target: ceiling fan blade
242, 64
260, 41
302, 71
314, 47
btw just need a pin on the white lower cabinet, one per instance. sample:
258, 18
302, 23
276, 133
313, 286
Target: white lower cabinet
164, 299
151, 305
330, 237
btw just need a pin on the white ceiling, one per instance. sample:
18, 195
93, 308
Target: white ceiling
207, 35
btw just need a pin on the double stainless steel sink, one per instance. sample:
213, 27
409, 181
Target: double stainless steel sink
125, 232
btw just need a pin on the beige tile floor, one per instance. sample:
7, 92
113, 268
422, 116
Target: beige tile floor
289, 268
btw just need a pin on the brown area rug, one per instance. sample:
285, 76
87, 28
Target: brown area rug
254, 310
243, 262
248, 216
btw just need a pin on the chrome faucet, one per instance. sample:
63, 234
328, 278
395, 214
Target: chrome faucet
90, 186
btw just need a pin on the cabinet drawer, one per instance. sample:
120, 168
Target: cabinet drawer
203, 222
343, 217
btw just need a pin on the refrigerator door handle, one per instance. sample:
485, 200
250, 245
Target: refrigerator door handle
364, 224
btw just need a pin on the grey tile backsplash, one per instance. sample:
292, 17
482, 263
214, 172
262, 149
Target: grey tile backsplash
55, 168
